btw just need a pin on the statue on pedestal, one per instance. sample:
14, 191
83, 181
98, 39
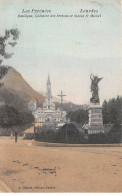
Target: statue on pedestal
94, 88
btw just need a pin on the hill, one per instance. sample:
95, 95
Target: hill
69, 106
16, 92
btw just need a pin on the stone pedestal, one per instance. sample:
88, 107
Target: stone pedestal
95, 119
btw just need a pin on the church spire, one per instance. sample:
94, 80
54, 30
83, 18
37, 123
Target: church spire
49, 95
48, 80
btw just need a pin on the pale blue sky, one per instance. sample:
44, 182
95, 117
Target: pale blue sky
67, 48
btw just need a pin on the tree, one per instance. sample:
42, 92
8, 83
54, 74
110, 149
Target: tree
68, 133
3, 71
78, 116
112, 112
10, 116
105, 112
9, 39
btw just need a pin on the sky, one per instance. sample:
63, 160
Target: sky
69, 49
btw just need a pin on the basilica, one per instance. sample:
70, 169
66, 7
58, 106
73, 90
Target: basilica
48, 113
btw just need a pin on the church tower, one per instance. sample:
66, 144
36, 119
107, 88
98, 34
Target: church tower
48, 104
49, 114
48, 95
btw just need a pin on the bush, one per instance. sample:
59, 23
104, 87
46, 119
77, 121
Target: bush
46, 136
10, 116
75, 137
78, 116
114, 137
67, 134
100, 138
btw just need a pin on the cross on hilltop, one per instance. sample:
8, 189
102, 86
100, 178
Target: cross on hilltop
61, 95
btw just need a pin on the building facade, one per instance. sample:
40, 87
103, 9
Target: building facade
48, 113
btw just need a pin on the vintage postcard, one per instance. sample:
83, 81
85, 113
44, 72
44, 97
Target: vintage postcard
60, 96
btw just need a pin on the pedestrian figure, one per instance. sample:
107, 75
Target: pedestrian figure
85, 127
11, 135
16, 136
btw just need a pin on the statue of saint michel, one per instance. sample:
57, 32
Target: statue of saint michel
94, 88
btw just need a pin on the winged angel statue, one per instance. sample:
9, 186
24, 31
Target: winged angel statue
94, 88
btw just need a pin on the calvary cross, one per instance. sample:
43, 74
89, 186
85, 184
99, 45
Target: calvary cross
61, 95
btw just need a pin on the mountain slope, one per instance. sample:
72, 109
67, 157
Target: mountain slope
17, 92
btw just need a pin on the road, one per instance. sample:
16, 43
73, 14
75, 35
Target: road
28, 168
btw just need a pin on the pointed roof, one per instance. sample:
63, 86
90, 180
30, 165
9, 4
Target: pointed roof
48, 80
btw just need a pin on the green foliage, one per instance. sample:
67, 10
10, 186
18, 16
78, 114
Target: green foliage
70, 134
79, 116
112, 112
10, 116
3, 72
68, 106
67, 134
69, 129
14, 35
99, 138
75, 137
102, 138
